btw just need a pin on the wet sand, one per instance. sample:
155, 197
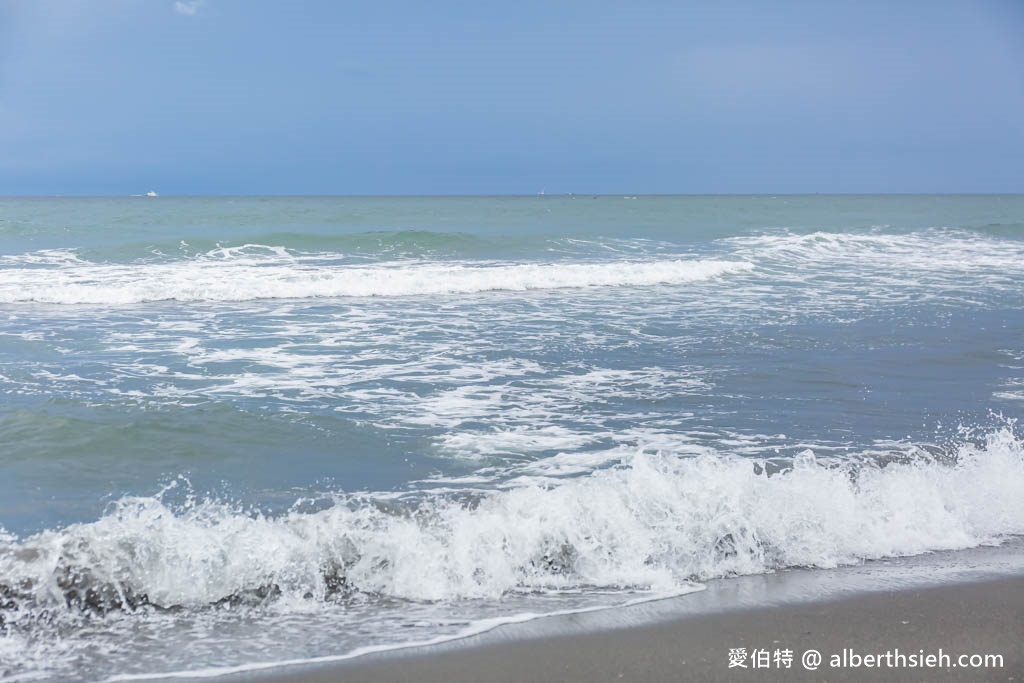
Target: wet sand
983, 617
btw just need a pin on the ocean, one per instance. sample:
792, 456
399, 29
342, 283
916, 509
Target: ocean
241, 431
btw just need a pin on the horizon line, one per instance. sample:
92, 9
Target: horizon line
509, 195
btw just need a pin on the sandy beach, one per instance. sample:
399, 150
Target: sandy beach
984, 617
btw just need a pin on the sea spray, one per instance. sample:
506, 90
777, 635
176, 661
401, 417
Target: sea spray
653, 522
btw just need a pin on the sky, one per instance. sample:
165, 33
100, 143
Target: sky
118, 97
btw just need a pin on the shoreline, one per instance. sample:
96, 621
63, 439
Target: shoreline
965, 602
980, 618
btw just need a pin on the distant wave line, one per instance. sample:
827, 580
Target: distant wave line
206, 280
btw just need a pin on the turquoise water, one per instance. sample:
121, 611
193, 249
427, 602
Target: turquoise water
279, 428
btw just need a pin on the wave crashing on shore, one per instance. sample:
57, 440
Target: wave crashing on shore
653, 522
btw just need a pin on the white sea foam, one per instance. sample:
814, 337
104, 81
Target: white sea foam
225, 276
87, 598
654, 522
900, 256
44, 257
845, 276
1014, 391
516, 440
474, 628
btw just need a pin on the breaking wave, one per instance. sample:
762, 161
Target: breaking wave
655, 522
273, 273
925, 251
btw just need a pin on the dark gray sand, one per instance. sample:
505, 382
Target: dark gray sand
985, 617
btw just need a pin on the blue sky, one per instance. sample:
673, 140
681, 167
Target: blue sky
334, 97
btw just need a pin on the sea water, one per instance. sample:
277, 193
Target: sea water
241, 431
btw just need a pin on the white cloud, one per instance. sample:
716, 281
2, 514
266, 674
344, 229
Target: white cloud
188, 7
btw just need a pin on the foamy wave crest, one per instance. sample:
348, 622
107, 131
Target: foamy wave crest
279, 276
933, 250
44, 257
655, 522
